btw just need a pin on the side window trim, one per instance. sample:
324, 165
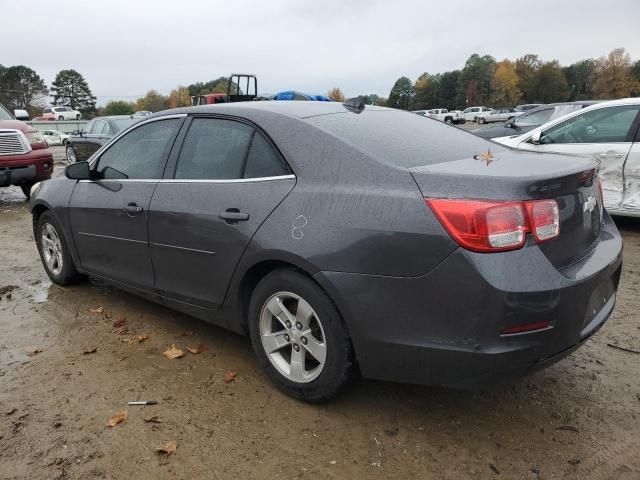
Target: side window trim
170, 144
172, 162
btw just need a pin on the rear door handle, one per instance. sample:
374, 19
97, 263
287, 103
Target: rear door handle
233, 215
132, 209
611, 155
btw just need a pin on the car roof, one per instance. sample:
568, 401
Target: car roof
291, 108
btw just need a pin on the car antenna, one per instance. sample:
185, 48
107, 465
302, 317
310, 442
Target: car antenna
355, 105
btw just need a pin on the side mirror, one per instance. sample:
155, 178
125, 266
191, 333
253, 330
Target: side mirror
536, 136
78, 171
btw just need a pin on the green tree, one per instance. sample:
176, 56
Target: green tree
401, 94
448, 89
70, 86
21, 87
527, 68
634, 73
551, 84
219, 85
505, 84
581, 77
613, 75
118, 107
152, 101
474, 83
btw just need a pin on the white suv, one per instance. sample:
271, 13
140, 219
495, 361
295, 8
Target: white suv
472, 114
61, 113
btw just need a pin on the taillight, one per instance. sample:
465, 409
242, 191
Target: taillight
489, 226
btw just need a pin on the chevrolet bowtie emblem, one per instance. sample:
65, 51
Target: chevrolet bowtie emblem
590, 204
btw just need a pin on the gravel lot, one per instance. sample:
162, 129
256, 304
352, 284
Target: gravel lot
577, 419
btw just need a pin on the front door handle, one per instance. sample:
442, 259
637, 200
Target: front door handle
611, 155
233, 215
132, 209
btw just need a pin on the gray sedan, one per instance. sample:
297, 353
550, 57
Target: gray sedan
343, 239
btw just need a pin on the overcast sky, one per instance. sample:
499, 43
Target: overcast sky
126, 47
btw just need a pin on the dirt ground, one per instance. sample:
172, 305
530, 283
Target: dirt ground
579, 419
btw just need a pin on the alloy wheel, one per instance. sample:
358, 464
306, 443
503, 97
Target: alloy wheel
71, 155
51, 249
293, 337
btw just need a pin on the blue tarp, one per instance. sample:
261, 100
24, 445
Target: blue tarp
293, 95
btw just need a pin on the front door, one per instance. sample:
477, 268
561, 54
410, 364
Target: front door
109, 214
605, 134
225, 182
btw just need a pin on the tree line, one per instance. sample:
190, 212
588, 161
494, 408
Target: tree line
482, 81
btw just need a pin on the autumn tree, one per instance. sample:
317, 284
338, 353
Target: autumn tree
613, 75
635, 79
70, 87
118, 107
152, 101
401, 94
336, 94
179, 97
21, 87
424, 92
505, 91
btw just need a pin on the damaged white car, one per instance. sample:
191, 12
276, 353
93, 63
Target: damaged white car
608, 132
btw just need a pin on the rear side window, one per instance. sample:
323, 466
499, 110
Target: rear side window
214, 149
140, 153
263, 160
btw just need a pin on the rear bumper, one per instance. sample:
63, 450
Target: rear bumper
445, 327
22, 169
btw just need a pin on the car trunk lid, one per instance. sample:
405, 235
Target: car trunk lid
509, 175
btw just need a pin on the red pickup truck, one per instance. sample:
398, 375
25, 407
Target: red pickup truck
25, 157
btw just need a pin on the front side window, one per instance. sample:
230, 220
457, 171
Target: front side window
214, 149
140, 153
604, 125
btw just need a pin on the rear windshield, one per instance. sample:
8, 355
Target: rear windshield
123, 123
403, 138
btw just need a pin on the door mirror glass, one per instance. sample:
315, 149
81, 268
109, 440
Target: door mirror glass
78, 171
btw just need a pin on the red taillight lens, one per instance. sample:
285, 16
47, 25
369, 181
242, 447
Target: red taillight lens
544, 218
488, 226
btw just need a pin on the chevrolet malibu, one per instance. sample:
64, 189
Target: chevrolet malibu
343, 240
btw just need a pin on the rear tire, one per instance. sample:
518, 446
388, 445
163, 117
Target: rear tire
482, 121
54, 251
306, 350
60, 117
70, 153
448, 120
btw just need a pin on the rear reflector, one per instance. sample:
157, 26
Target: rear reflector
488, 226
526, 327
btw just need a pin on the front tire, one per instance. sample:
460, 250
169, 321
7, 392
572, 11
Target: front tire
299, 337
448, 120
60, 117
54, 251
482, 121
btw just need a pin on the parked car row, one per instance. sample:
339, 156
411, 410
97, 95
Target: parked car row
84, 143
443, 115
61, 113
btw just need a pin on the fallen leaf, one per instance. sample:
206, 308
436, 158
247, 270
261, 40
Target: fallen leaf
90, 350
119, 323
168, 448
141, 338
97, 310
117, 418
199, 349
230, 376
35, 351
173, 352
186, 334
154, 419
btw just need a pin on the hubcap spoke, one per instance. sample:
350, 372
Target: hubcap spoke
278, 310
274, 341
304, 313
297, 365
318, 350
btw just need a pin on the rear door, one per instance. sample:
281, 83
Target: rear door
225, 181
109, 214
605, 134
